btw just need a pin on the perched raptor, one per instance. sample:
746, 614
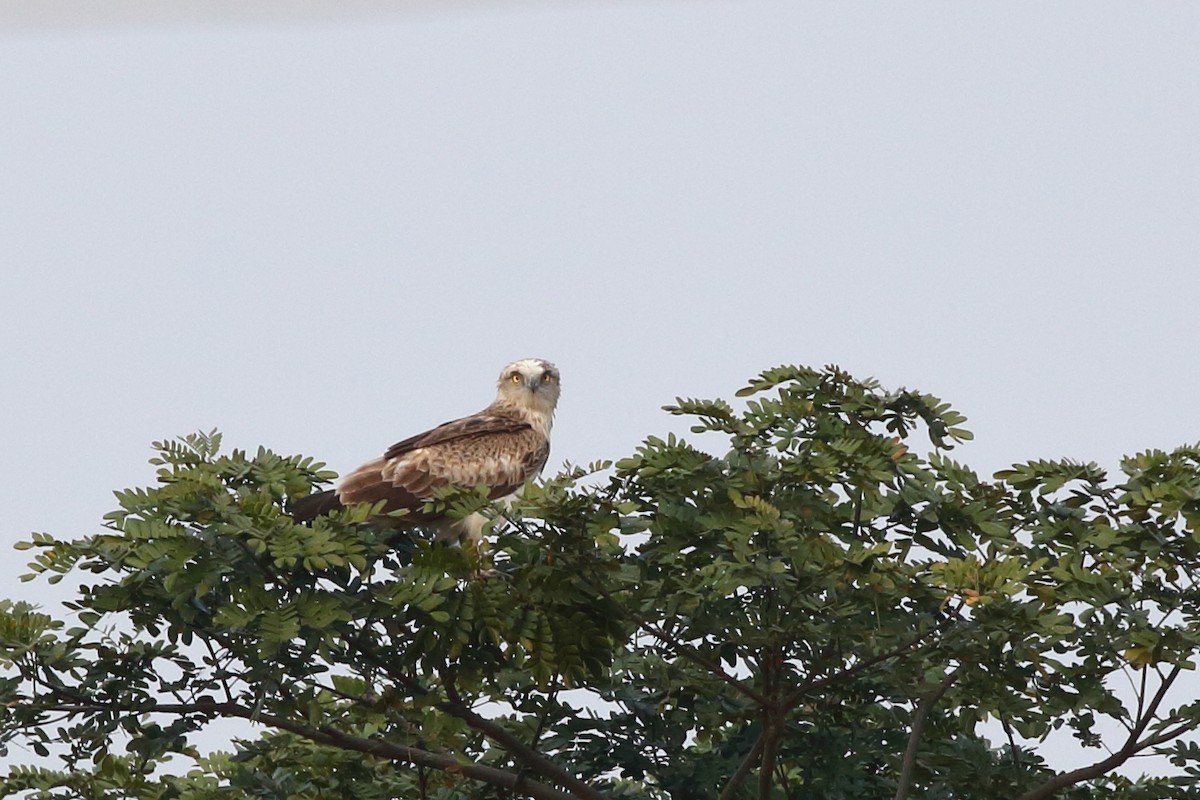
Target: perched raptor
501, 447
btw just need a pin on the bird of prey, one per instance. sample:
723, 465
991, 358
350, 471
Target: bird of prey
501, 447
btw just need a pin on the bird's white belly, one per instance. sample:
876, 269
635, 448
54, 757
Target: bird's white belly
471, 526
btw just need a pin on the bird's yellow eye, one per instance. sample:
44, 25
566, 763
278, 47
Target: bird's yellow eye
515, 377
549, 376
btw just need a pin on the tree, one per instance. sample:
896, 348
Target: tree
817, 613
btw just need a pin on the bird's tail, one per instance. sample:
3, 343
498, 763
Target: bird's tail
306, 509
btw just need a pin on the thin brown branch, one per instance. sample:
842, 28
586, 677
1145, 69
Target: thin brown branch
454, 706
1131, 748
543, 718
782, 775
766, 770
744, 769
773, 717
692, 655
1141, 698
797, 694
858, 507
909, 763
332, 737
447, 763
1145, 719
762, 753
522, 752
683, 650
1169, 734
1067, 779
1012, 740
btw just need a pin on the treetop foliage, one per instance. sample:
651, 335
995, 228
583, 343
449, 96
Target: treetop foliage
815, 612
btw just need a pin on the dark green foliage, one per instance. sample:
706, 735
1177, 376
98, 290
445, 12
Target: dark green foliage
818, 612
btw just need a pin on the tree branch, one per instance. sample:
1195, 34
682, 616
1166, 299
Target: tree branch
530, 757
797, 694
328, 735
766, 770
1168, 735
773, 716
454, 706
1131, 748
1152, 709
744, 769
909, 763
683, 650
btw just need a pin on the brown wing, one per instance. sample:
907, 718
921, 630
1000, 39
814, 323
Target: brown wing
474, 425
494, 451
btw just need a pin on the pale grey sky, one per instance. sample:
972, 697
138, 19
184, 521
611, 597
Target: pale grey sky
324, 232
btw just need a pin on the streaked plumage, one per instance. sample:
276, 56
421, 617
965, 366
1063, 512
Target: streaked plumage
501, 447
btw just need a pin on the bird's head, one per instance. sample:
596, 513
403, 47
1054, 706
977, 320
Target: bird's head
531, 385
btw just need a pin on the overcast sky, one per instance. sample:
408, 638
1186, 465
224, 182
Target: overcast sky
325, 231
